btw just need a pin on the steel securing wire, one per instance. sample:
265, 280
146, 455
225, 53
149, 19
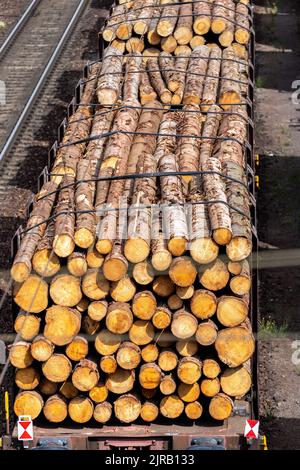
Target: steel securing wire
141, 206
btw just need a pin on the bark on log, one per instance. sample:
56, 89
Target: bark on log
220, 407
242, 34
183, 271
147, 92
168, 20
219, 16
196, 74
236, 382
144, 17
152, 35
189, 144
132, 77
35, 227
162, 318
210, 89
85, 231
103, 412
119, 317
128, 355
197, 41
202, 16
210, 131
156, 80
227, 36
45, 262
240, 284
166, 65
109, 32
184, 28
63, 242
20, 355
230, 88
108, 88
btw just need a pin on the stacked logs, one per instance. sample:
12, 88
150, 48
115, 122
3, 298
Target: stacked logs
177, 26
134, 292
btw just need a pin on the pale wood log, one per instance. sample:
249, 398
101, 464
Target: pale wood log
32, 295
184, 28
55, 409
149, 353
150, 375
197, 41
94, 285
203, 304
115, 265
109, 32
168, 385
123, 290
20, 355
134, 45
206, 333
77, 265
149, 412
242, 33
232, 311
108, 88
157, 81
227, 36
162, 318
45, 262
220, 407
99, 393
121, 381
78, 349
171, 406
119, 317
63, 242
235, 345
210, 90
167, 360
141, 332
202, 22
152, 35
97, 310
108, 364
57, 368
28, 403
189, 392
189, 370
183, 271
93, 258
143, 273
62, 324
196, 73
65, 290
214, 276
193, 410
185, 293
236, 382
184, 324
81, 409
107, 343
230, 89
211, 368
127, 408
168, 20
85, 375
210, 387
144, 305
41, 348
27, 326
128, 355
102, 412
132, 77
147, 92
240, 284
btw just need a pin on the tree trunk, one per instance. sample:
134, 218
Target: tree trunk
85, 231
240, 284
55, 409
109, 32
45, 262
81, 409
127, 408
230, 89
97, 310
183, 271
211, 368
232, 311
109, 83
219, 16
128, 355
220, 407
150, 375
41, 348
184, 28
68, 390
197, 41
175, 302
119, 317
167, 360
166, 65
210, 90
107, 343
141, 332
94, 285
214, 276
188, 393
27, 326
242, 34
235, 345
27, 379
161, 257
162, 318
147, 92
63, 243
119, 44
132, 77
65, 290
46, 387
103, 412
168, 385
85, 375
108, 364
115, 265
77, 349
203, 304
143, 273
168, 20
123, 290
196, 73
163, 286
236, 382
77, 265
187, 348
215, 190
62, 324
149, 353
57, 368
142, 22
20, 355
189, 144
185, 293
144, 305
28, 403
152, 35
149, 412
42, 209
209, 134
168, 44
193, 410
93, 258
156, 80
202, 22
32, 295
135, 45
206, 333
171, 406
99, 393
177, 81
189, 370
184, 324
227, 36
121, 381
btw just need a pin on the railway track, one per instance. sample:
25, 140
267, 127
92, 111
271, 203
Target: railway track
28, 60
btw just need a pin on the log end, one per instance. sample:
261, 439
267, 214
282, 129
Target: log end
84, 238
63, 245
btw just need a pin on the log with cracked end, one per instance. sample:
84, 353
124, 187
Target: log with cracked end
102, 412
41, 348
62, 324
171, 406
210, 90
184, 29
85, 375
121, 381
220, 407
144, 305
196, 74
193, 410
128, 355
133, 72
206, 333
109, 82
161, 257
55, 409
27, 325
143, 273
127, 408
35, 230
242, 27
215, 190
188, 146
63, 242
77, 349
202, 16
184, 324
28, 402
211, 368
157, 81
230, 87
168, 20
162, 317
119, 317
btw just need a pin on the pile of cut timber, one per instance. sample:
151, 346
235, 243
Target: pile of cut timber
132, 275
